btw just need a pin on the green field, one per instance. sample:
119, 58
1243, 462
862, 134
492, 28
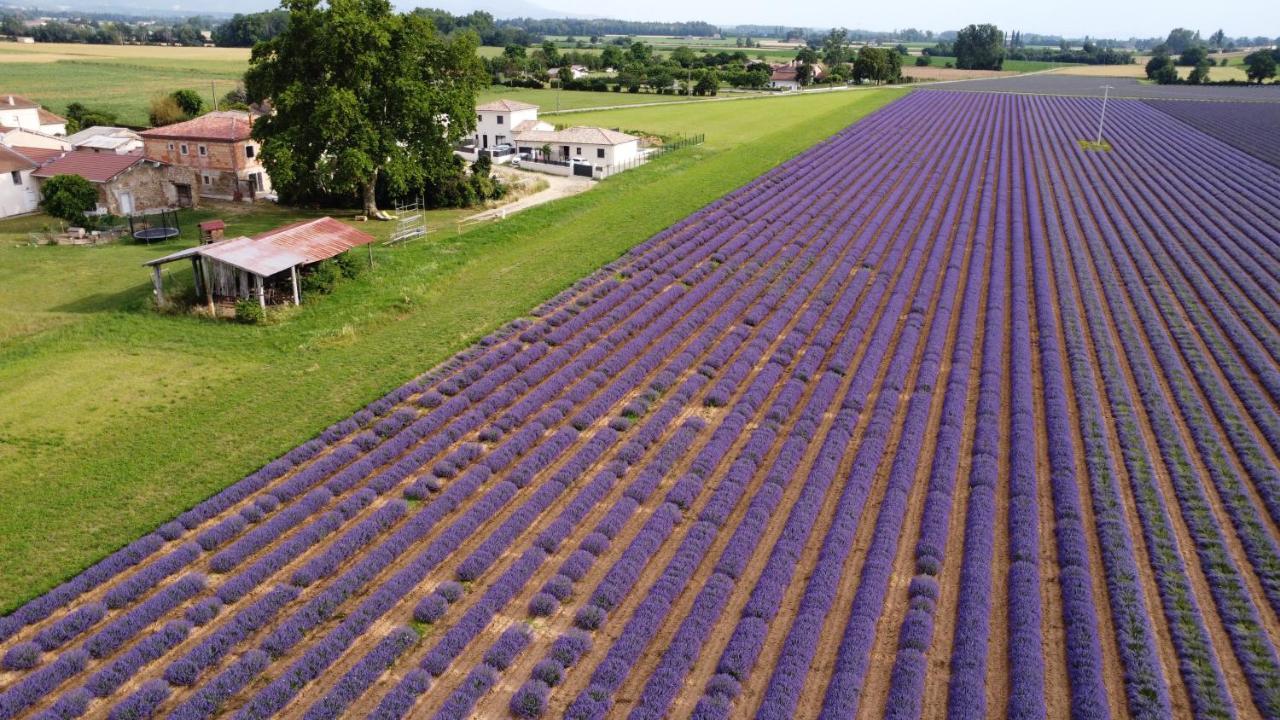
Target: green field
1018, 66
114, 418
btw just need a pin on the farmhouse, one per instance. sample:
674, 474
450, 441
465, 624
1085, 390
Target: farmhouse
126, 184
787, 76
577, 72
498, 121
593, 145
102, 138
19, 112
264, 267
17, 189
218, 147
510, 123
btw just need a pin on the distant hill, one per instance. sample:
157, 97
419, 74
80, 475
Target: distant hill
497, 8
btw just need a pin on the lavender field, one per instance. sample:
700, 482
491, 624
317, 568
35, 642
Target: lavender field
944, 417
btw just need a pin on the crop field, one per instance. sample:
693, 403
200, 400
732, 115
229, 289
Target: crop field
1253, 128
945, 415
1058, 83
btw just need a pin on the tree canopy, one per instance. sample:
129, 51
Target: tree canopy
979, 47
363, 98
68, 197
1260, 65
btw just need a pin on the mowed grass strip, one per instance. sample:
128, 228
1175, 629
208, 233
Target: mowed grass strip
114, 418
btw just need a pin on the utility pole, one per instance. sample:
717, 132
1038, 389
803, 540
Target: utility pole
1106, 91
213, 90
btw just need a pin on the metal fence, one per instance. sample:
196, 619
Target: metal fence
672, 145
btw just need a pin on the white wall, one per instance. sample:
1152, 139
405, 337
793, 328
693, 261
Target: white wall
494, 128
27, 118
16, 199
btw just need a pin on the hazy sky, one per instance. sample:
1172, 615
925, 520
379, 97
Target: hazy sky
1098, 18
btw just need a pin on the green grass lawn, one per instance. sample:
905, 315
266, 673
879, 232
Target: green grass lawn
114, 418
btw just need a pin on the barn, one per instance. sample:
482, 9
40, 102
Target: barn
264, 267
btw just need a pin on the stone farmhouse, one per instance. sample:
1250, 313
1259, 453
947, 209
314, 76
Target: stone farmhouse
126, 184
218, 147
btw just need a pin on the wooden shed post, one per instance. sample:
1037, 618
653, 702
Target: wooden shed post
195, 271
293, 272
257, 289
158, 284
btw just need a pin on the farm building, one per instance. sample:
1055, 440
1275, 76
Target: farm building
126, 184
102, 138
787, 76
265, 267
515, 127
19, 112
17, 189
218, 147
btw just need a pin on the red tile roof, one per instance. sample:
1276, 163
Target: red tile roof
48, 118
13, 161
213, 225
40, 155
92, 166
224, 126
11, 100
317, 239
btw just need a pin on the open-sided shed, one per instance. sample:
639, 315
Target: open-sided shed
256, 267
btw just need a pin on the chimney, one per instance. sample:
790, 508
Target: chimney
11, 102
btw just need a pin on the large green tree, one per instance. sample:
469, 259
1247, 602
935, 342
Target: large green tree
362, 95
979, 47
1260, 65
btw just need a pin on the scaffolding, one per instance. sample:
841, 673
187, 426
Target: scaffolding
411, 222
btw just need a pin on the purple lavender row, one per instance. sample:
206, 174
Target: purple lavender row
1260, 470
647, 342
844, 691
748, 637
109, 679
1144, 686
611, 672
1262, 669
461, 702
209, 653
916, 634
353, 684
1260, 546
793, 664
1026, 663
598, 534
682, 651
1237, 312
209, 699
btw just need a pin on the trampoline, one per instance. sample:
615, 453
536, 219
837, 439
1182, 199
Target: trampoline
154, 226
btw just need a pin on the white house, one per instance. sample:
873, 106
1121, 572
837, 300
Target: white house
102, 138
19, 112
18, 192
21, 137
498, 121
592, 145
577, 72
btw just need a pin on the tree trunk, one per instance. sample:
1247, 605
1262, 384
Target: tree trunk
371, 199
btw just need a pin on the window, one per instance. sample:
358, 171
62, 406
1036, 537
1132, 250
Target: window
600, 152
249, 151
499, 119
256, 178
479, 117
203, 150
17, 177
577, 151
170, 147
182, 148
206, 180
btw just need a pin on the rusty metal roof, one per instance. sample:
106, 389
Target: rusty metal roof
255, 256
277, 250
316, 240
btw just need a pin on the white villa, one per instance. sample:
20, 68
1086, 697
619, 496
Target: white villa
17, 112
516, 124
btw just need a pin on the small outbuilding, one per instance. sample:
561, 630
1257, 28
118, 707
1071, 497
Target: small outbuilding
211, 231
264, 267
